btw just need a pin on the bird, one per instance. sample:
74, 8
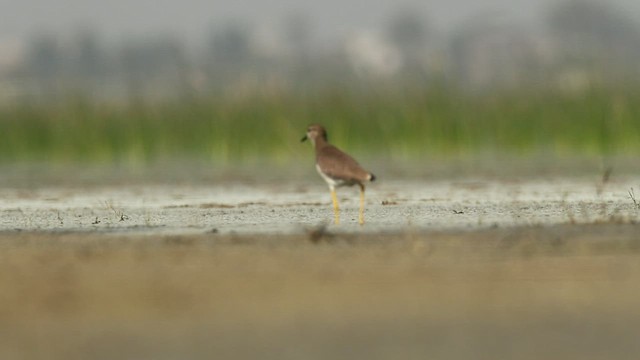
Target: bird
337, 168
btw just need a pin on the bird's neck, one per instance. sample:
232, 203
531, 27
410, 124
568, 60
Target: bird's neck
320, 142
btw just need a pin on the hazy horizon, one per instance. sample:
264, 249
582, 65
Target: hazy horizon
192, 20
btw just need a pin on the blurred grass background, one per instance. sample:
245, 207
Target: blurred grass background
398, 125
399, 91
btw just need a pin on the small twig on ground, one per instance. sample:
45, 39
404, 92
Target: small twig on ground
633, 198
118, 213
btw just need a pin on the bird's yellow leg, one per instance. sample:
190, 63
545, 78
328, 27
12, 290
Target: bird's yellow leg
361, 215
336, 210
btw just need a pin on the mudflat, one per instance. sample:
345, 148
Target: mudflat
293, 208
478, 269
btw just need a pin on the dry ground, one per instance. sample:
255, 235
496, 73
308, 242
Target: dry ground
286, 207
533, 292
540, 268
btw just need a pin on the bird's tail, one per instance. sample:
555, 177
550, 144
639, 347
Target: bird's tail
371, 177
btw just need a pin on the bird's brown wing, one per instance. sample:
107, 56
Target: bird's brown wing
338, 165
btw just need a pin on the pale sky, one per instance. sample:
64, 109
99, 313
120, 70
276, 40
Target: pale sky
193, 19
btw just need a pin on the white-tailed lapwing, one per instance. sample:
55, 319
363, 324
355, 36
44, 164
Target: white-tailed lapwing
337, 168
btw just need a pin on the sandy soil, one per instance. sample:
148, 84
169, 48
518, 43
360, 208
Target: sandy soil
443, 269
557, 292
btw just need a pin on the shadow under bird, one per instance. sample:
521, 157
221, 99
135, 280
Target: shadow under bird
337, 168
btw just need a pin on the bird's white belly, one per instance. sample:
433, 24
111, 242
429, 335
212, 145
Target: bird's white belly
333, 183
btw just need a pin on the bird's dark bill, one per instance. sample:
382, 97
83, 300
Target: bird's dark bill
304, 138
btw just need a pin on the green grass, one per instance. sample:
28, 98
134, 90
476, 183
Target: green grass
398, 125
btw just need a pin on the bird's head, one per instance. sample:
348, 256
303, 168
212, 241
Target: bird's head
315, 132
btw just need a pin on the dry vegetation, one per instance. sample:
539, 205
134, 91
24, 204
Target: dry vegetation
562, 292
